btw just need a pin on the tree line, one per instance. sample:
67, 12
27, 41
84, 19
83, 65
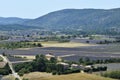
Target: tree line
87, 61
13, 45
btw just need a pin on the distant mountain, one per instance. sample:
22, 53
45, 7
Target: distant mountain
12, 20
10, 27
85, 19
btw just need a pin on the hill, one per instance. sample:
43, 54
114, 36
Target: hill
10, 27
76, 76
12, 20
82, 19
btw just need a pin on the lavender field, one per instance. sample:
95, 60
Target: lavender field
92, 52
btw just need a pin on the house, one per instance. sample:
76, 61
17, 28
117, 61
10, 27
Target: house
66, 65
88, 66
82, 67
75, 66
49, 56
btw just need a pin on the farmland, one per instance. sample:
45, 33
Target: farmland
96, 52
77, 76
65, 44
69, 53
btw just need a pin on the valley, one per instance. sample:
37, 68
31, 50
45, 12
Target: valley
67, 44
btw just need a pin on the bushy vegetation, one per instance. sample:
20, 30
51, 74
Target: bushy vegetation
108, 42
41, 64
5, 71
112, 74
12, 45
87, 61
56, 38
95, 69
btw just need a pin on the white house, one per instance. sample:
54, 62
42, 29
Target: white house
49, 56
75, 66
66, 65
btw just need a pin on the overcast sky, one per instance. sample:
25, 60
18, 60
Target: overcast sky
37, 8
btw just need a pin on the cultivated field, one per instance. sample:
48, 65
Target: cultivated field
63, 44
76, 76
93, 52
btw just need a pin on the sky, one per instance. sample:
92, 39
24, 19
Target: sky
36, 8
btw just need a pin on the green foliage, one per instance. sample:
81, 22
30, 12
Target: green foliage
6, 70
25, 79
53, 60
112, 74
13, 45
87, 61
71, 71
16, 79
41, 64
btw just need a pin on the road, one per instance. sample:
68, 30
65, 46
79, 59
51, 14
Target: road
22, 61
11, 67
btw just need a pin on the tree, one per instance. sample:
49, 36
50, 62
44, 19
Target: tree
39, 45
53, 60
3, 54
81, 60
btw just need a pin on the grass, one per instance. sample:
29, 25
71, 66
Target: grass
26, 56
8, 77
76, 76
2, 64
63, 44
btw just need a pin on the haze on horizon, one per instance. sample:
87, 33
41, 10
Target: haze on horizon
37, 8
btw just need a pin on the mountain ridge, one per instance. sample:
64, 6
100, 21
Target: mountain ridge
74, 18
85, 19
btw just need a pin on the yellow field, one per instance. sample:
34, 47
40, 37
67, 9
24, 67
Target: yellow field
9, 77
26, 56
76, 76
64, 44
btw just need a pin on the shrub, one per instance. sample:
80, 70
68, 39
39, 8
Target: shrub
112, 74
54, 72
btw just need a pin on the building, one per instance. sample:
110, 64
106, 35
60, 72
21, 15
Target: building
88, 67
75, 66
49, 56
66, 65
